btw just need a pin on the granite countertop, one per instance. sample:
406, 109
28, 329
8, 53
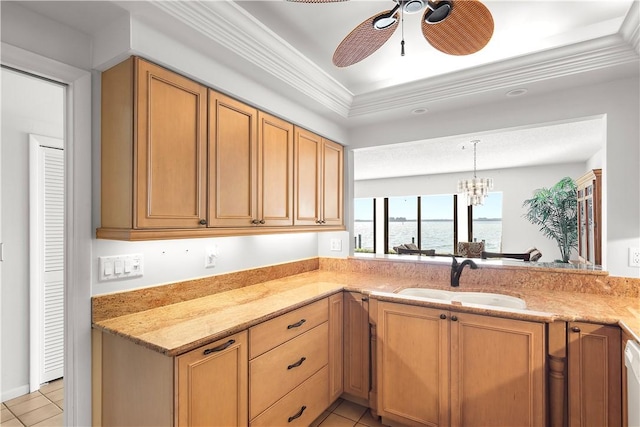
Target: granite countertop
180, 327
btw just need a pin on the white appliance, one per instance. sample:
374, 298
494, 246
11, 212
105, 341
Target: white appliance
632, 362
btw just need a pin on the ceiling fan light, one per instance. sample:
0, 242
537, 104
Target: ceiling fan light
438, 12
413, 6
383, 22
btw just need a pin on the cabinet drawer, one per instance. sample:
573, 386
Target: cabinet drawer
277, 372
267, 335
301, 406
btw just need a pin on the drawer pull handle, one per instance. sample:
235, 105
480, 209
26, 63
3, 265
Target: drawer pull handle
298, 415
220, 347
298, 363
297, 324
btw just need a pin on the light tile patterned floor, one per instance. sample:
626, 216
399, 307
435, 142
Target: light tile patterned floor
346, 414
45, 408
38, 409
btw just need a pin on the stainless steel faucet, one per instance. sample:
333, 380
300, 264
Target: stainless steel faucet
456, 270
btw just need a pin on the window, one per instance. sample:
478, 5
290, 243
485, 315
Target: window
429, 222
436, 213
364, 224
402, 221
487, 222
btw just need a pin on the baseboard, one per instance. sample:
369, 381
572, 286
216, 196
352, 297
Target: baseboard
16, 392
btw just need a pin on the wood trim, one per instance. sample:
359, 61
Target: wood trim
557, 379
336, 346
163, 234
96, 378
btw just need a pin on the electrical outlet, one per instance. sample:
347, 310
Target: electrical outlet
336, 245
634, 257
210, 257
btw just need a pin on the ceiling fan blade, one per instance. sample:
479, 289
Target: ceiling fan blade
466, 30
362, 41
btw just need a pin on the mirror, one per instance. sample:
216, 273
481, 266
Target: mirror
518, 160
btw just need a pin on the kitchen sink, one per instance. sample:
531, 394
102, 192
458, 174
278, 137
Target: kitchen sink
483, 298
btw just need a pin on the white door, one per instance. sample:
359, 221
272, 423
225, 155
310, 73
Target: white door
46, 226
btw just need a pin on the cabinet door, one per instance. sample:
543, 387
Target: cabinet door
413, 364
275, 175
233, 156
356, 345
595, 379
307, 175
212, 384
497, 371
170, 149
332, 183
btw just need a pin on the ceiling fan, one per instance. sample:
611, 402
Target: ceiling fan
455, 27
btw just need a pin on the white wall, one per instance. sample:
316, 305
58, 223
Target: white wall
617, 100
29, 105
516, 185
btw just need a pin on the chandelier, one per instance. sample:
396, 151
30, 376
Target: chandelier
476, 189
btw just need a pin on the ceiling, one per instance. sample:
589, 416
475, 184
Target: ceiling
535, 46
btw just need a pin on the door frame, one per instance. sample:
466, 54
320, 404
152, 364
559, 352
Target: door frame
78, 224
36, 261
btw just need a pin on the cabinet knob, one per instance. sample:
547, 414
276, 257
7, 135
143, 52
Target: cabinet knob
454, 318
575, 329
202, 222
443, 316
255, 222
262, 221
365, 298
318, 221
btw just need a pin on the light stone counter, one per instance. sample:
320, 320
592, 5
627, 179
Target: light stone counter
165, 320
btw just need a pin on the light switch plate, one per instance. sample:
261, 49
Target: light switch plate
634, 257
120, 267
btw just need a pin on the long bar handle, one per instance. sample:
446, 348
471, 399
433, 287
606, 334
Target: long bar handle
220, 347
298, 415
298, 363
297, 324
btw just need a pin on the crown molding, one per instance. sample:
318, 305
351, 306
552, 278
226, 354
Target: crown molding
232, 27
579, 58
630, 29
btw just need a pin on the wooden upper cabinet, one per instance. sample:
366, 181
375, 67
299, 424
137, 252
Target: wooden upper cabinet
250, 166
275, 171
319, 178
233, 161
154, 146
595, 375
180, 160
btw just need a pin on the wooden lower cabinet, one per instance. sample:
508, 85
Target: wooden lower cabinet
356, 347
141, 387
212, 384
445, 368
594, 374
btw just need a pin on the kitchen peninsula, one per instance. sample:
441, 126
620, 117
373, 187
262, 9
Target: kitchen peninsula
167, 322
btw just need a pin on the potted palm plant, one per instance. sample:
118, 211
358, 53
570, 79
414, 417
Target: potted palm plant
555, 210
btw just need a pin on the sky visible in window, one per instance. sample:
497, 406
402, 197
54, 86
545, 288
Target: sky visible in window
433, 207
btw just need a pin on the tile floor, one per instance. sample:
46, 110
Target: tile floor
45, 408
346, 414
40, 408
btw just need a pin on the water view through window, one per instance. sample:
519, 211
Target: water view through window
436, 222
